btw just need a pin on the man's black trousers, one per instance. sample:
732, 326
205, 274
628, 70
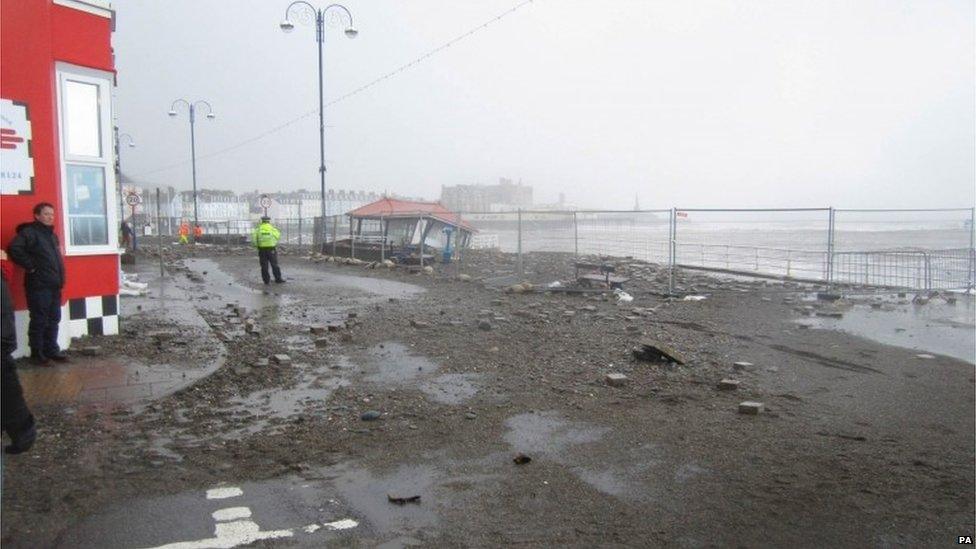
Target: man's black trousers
44, 305
266, 256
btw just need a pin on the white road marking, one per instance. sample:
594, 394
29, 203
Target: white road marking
343, 524
224, 493
230, 534
231, 513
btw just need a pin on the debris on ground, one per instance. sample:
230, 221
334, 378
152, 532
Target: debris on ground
728, 384
750, 408
616, 380
622, 296
521, 459
399, 500
652, 351
370, 415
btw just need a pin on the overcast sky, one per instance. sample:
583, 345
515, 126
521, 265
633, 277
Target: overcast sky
687, 103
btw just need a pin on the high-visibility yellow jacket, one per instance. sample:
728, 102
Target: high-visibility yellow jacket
265, 235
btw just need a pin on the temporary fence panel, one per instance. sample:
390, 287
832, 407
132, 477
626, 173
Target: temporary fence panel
924, 249
641, 235
788, 242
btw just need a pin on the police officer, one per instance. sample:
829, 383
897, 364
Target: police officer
265, 239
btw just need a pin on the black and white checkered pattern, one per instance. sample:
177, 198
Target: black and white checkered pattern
94, 315
79, 317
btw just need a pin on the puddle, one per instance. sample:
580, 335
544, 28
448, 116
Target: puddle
222, 288
936, 327
548, 433
367, 492
109, 381
451, 388
639, 472
377, 287
394, 363
262, 410
161, 447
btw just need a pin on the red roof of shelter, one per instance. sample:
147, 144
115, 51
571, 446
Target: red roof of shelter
394, 208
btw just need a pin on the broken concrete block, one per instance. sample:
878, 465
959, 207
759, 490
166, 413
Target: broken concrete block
830, 314
654, 351
616, 380
419, 324
321, 342
739, 366
318, 330
464, 278
484, 325
345, 337
728, 384
281, 359
750, 408
261, 362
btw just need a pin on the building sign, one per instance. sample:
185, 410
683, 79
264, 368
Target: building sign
16, 160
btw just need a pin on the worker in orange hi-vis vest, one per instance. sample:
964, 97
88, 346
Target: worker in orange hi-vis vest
184, 233
197, 232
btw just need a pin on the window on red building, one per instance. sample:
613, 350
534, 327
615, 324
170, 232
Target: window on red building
86, 159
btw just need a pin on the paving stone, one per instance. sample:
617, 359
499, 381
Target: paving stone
739, 366
728, 384
750, 408
281, 359
616, 380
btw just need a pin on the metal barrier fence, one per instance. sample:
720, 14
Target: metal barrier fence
906, 249
911, 249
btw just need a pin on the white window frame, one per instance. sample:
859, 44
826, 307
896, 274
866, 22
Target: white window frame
104, 80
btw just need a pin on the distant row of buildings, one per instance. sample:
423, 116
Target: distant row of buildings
213, 206
224, 206
506, 196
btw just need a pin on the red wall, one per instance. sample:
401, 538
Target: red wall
34, 34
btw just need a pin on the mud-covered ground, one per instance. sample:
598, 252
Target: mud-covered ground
859, 443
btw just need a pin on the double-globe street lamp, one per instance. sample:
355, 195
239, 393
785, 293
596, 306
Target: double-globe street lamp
193, 150
308, 11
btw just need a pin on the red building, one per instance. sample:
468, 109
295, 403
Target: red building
56, 145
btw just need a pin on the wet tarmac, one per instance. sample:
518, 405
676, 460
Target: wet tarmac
339, 504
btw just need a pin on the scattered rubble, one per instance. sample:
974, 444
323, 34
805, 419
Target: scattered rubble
750, 408
654, 351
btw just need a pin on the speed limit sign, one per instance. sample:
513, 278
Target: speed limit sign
133, 199
265, 201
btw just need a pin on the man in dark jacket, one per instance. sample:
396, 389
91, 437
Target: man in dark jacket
36, 249
15, 417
